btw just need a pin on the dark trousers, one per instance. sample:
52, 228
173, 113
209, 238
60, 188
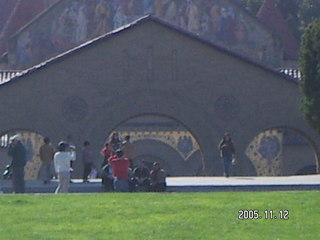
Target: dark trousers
121, 185
18, 182
226, 165
107, 182
86, 170
141, 187
159, 187
45, 171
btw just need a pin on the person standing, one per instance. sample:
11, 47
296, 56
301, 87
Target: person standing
106, 153
72, 149
62, 160
106, 169
46, 156
87, 160
158, 178
128, 148
120, 167
227, 153
18, 153
115, 142
107, 178
141, 176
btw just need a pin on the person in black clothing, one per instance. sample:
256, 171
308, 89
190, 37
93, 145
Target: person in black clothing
157, 178
19, 158
141, 177
107, 179
227, 153
87, 160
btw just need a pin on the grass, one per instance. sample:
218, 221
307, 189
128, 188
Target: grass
159, 216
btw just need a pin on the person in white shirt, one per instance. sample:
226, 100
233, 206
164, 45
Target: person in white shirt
62, 160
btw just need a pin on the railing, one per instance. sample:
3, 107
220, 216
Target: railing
6, 75
294, 73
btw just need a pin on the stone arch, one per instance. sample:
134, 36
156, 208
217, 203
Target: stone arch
272, 152
167, 104
44, 126
170, 155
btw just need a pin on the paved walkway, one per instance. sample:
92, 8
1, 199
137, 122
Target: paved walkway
311, 182
244, 181
192, 184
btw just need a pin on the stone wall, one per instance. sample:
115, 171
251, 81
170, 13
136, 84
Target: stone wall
150, 68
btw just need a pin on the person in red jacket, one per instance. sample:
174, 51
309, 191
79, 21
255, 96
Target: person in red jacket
106, 153
120, 167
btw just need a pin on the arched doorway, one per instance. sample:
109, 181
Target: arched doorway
282, 151
163, 139
32, 142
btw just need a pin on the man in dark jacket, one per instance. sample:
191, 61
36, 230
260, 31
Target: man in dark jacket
227, 153
19, 157
141, 177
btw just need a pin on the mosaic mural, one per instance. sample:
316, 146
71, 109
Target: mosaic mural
182, 141
72, 22
265, 152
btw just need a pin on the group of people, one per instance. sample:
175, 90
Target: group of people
118, 173
62, 158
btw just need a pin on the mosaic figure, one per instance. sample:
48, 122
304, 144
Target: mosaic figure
82, 25
24, 49
147, 6
102, 15
193, 14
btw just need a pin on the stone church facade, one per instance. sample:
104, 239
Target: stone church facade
153, 68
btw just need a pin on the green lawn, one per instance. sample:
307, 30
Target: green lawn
142, 216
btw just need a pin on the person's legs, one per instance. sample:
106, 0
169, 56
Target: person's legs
160, 187
86, 171
48, 172
121, 185
45, 172
146, 185
18, 182
64, 181
14, 181
109, 186
226, 164
124, 185
132, 185
59, 185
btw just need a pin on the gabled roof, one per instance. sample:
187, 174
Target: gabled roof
270, 14
138, 22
